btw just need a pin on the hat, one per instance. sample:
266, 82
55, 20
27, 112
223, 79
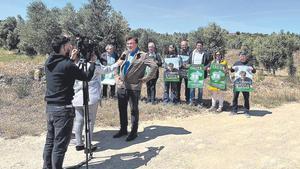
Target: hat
244, 53
60, 40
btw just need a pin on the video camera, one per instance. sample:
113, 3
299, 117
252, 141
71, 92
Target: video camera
86, 47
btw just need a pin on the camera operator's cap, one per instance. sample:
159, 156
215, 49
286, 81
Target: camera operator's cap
61, 40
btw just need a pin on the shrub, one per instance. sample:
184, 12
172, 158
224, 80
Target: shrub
22, 88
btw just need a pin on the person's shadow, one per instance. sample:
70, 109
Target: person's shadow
259, 112
126, 160
106, 141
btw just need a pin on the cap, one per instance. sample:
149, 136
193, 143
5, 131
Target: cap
243, 53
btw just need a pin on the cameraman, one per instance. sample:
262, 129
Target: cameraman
61, 74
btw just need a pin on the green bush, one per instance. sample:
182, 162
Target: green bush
23, 88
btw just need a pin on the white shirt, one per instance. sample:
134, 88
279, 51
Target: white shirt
197, 57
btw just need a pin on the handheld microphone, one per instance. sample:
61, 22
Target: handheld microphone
123, 56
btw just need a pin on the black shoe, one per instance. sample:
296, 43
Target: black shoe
131, 136
79, 148
120, 134
246, 112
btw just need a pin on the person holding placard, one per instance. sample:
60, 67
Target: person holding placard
242, 68
108, 58
171, 75
218, 70
184, 54
199, 57
170, 84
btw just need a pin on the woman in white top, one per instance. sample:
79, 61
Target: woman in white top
94, 87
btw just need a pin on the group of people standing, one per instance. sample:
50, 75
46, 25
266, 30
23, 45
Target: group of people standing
194, 96
131, 69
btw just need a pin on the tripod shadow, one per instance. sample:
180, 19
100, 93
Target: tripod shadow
127, 160
106, 140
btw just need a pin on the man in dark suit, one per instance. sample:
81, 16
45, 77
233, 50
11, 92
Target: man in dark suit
129, 84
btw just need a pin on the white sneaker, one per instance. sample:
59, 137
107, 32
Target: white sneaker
219, 110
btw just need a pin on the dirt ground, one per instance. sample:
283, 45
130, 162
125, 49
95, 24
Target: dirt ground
270, 139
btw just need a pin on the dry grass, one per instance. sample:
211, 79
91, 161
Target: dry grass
22, 116
26, 116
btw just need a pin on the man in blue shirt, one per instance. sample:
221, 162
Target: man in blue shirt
129, 84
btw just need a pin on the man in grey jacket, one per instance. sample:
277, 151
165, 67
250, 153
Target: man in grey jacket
129, 84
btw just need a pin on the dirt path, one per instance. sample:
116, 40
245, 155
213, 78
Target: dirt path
268, 140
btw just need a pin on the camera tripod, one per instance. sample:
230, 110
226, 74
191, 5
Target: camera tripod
88, 145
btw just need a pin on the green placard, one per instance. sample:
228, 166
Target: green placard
196, 76
217, 76
243, 85
171, 77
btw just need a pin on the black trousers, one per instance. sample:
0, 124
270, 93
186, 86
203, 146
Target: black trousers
151, 90
132, 97
235, 100
112, 90
167, 97
59, 129
187, 90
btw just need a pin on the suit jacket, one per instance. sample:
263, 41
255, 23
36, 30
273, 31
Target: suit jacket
136, 71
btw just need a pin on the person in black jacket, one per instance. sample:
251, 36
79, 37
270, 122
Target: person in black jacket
151, 84
242, 62
61, 73
171, 53
170, 97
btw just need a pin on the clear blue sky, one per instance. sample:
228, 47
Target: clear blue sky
264, 16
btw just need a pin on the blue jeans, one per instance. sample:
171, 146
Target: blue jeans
59, 129
192, 96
